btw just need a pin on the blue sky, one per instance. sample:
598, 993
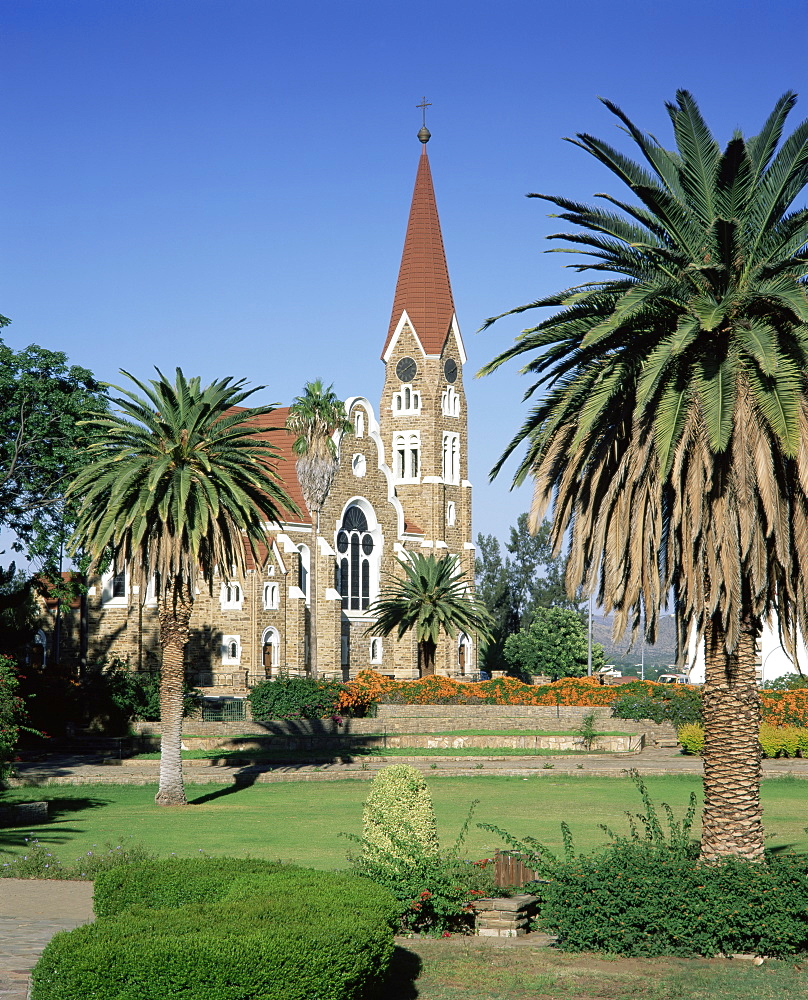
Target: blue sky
224, 186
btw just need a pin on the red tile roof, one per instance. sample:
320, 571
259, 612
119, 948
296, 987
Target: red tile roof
423, 287
277, 435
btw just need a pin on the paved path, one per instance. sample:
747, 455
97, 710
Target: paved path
31, 912
81, 770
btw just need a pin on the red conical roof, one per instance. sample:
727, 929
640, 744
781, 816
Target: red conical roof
423, 287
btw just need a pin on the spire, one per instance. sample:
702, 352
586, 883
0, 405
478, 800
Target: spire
423, 287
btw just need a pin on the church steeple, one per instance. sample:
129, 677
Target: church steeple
423, 290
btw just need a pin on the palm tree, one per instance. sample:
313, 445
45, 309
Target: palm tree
672, 439
172, 488
432, 597
315, 417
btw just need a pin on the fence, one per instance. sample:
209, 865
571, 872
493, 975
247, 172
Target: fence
510, 870
224, 710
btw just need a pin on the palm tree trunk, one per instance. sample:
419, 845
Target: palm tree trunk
313, 599
732, 820
427, 658
174, 615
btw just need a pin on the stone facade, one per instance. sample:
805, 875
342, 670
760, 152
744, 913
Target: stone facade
401, 486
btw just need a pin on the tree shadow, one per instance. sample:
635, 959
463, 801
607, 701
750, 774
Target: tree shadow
399, 984
240, 782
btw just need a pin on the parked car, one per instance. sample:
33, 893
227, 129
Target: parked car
673, 679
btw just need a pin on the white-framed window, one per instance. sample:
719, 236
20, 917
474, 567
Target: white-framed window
376, 650
406, 400
231, 650
231, 597
451, 457
270, 651
115, 586
407, 456
463, 654
359, 546
450, 402
359, 424
271, 596
451, 513
303, 570
359, 465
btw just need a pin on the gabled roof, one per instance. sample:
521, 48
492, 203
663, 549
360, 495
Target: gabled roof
282, 440
423, 287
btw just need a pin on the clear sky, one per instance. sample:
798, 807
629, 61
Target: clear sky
224, 186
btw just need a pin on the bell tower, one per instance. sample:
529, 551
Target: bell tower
423, 415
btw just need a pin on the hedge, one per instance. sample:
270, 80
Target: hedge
633, 901
263, 932
775, 741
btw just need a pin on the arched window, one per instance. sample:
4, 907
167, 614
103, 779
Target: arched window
376, 650
114, 586
451, 513
359, 424
303, 570
231, 650
463, 654
270, 651
408, 400
356, 549
407, 455
230, 597
450, 402
271, 591
451, 458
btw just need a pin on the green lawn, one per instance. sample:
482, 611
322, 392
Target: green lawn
459, 970
314, 756
301, 821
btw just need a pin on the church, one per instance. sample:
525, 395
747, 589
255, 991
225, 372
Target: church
401, 486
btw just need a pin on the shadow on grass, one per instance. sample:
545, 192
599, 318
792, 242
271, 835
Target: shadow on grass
400, 982
240, 782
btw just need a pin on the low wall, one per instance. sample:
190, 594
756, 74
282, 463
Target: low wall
508, 917
413, 719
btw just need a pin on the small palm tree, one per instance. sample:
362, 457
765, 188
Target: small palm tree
671, 433
315, 417
431, 597
174, 485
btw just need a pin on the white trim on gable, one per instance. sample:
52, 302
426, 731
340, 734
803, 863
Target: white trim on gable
403, 319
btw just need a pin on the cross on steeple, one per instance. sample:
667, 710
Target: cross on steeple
423, 106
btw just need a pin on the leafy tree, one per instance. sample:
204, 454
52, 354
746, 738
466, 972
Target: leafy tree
536, 574
19, 612
431, 597
555, 643
178, 480
669, 433
13, 714
42, 444
493, 589
316, 417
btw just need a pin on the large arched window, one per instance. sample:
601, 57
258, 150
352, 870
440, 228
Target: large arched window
303, 570
358, 556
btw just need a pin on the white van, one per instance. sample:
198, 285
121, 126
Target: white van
673, 679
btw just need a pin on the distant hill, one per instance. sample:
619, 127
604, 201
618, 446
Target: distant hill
661, 654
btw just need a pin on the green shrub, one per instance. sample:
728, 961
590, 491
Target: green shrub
691, 737
222, 929
775, 741
112, 695
12, 713
633, 900
662, 703
41, 861
294, 698
398, 820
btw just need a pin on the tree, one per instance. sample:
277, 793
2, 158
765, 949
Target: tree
431, 597
536, 572
174, 485
671, 438
555, 643
316, 417
19, 612
42, 444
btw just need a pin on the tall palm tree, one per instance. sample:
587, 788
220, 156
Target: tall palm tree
315, 417
173, 486
672, 436
431, 597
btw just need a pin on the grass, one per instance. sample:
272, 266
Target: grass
301, 822
457, 970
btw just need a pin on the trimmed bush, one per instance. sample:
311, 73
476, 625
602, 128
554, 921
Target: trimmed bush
398, 821
294, 698
631, 900
775, 741
226, 929
678, 704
